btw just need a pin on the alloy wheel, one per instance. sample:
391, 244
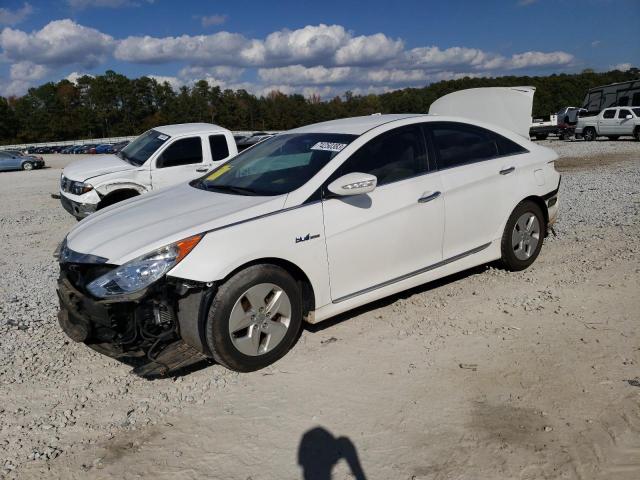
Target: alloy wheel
525, 236
260, 319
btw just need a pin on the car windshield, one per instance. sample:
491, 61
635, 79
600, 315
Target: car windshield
139, 151
275, 166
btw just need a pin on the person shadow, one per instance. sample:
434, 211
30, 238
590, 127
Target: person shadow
320, 451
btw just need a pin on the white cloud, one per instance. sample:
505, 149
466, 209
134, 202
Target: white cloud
212, 20
27, 71
595, 43
74, 76
623, 67
311, 44
61, 42
218, 48
372, 49
538, 59
13, 17
526, 3
315, 58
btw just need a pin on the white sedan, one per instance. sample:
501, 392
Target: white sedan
301, 227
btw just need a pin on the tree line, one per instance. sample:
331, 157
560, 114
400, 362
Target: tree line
114, 105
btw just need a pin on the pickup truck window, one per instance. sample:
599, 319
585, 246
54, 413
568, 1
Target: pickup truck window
275, 166
185, 151
636, 111
139, 151
623, 113
219, 147
609, 114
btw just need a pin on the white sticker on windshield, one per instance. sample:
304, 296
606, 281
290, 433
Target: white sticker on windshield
162, 137
328, 146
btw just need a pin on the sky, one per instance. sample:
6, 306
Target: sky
324, 47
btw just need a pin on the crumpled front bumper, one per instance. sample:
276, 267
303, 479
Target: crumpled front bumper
77, 209
143, 333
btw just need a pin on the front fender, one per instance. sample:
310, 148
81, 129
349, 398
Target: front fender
295, 235
110, 186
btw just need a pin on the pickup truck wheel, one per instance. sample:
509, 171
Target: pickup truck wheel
27, 166
613, 137
589, 134
636, 134
254, 318
523, 236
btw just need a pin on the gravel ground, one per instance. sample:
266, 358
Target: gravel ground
487, 374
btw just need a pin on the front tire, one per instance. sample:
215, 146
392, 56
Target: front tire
254, 318
27, 166
523, 236
589, 134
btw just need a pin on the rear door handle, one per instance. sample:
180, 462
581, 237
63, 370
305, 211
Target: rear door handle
428, 198
507, 171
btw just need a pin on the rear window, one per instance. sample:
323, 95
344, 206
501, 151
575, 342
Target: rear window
459, 144
636, 111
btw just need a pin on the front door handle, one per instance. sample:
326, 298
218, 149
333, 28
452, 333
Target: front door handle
202, 169
428, 198
507, 171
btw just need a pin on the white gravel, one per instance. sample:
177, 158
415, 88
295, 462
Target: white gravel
59, 399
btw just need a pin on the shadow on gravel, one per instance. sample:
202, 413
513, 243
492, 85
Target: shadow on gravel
320, 451
393, 298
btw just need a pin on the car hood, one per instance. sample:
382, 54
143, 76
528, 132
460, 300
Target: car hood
88, 168
142, 224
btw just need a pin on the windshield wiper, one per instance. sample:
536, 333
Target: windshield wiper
232, 189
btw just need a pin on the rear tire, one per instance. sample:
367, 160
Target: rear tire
589, 134
27, 166
523, 236
636, 134
254, 318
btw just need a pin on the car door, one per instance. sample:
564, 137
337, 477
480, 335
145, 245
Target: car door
180, 161
395, 230
477, 185
625, 125
608, 124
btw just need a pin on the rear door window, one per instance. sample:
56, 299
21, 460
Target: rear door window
186, 151
623, 113
458, 144
219, 147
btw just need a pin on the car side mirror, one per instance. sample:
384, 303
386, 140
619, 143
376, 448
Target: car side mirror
629, 117
355, 183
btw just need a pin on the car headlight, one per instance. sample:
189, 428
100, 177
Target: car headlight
141, 272
78, 188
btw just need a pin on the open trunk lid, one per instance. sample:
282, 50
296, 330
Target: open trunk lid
506, 107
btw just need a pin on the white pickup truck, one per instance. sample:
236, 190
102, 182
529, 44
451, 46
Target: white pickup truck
611, 122
158, 158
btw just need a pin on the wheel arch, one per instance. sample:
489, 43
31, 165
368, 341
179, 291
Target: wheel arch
118, 195
306, 287
543, 206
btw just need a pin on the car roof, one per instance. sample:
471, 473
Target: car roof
189, 128
355, 125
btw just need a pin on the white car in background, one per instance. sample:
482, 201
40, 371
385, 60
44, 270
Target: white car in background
160, 157
306, 225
